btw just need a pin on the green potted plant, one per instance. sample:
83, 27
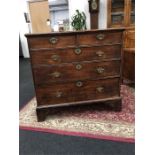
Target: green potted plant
79, 21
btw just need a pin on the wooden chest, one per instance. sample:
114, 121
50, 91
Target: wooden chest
71, 68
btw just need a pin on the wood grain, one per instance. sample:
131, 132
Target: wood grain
59, 56
125, 11
79, 67
129, 55
108, 38
71, 93
44, 42
68, 72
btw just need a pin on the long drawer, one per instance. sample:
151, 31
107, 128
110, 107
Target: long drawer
75, 71
72, 92
57, 56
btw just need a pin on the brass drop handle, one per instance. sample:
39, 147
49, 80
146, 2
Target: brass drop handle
55, 74
100, 70
78, 51
58, 94
100, 54
78, 66
100, 36
79, 84
55, 57
100, 89
53, 40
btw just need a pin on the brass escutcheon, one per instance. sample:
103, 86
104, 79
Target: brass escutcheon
100, 54
77, 51
56, 74
55, 57
100, 89
78, 66
58, 94
100, 36
100, 70
79, 84
53, 40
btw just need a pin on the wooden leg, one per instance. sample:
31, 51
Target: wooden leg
41, 114
114, 105
118, 107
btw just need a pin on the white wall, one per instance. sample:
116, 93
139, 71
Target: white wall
103, 14
82, 5
23, 28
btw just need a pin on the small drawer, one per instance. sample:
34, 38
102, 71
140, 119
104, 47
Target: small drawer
51, 41
76, 71
76, 54
100, 38
72, 92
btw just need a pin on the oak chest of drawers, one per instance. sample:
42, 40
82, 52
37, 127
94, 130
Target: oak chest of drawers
71, 68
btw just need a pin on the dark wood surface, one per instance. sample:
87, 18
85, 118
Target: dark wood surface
129, 66
69, 92
129, 56
31, 35
94, 14
95, 38
59, 56
68, 72
108, 38
64, 75
120, 13
126, 9
44, 42
94, 20
109, 104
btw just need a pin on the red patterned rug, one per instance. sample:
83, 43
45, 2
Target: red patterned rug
86, 121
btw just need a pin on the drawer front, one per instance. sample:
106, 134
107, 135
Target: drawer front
100, 38
51, 42
76, 71
75, 54
71, 92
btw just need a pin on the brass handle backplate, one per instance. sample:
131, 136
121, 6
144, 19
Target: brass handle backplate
53, 40
100, 54
100, 70
100, 89
58, 94
78, 66
55, 74
79, 84
100, 36
55, 57
78, 51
